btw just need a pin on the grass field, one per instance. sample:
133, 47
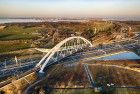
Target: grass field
19, 32
67, 77
13, 46
104, 75
12, 36
74, 75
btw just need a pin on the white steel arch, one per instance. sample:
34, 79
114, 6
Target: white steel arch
45, 60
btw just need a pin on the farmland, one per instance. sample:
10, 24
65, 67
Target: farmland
107, 74
69, 78
16, 38
17, 33
104, 75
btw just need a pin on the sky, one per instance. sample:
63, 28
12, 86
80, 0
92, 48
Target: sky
70, 8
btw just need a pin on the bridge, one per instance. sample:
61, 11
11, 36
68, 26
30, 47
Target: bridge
63, 49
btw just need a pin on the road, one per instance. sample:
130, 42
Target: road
89, 75
13, 70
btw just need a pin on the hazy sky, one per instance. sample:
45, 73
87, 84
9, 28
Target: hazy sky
70, 8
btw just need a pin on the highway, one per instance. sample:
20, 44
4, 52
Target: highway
89, 75
12, 62
14, 70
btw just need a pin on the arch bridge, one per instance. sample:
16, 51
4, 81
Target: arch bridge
63, 49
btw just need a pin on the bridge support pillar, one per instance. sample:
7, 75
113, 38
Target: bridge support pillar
41, 74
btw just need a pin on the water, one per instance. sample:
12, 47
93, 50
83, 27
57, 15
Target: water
18, 20
121, 56
2, 21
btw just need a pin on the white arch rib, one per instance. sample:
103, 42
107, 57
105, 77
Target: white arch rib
56, 48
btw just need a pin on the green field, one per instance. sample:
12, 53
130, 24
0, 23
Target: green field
19, 32
14, 32
13, 46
